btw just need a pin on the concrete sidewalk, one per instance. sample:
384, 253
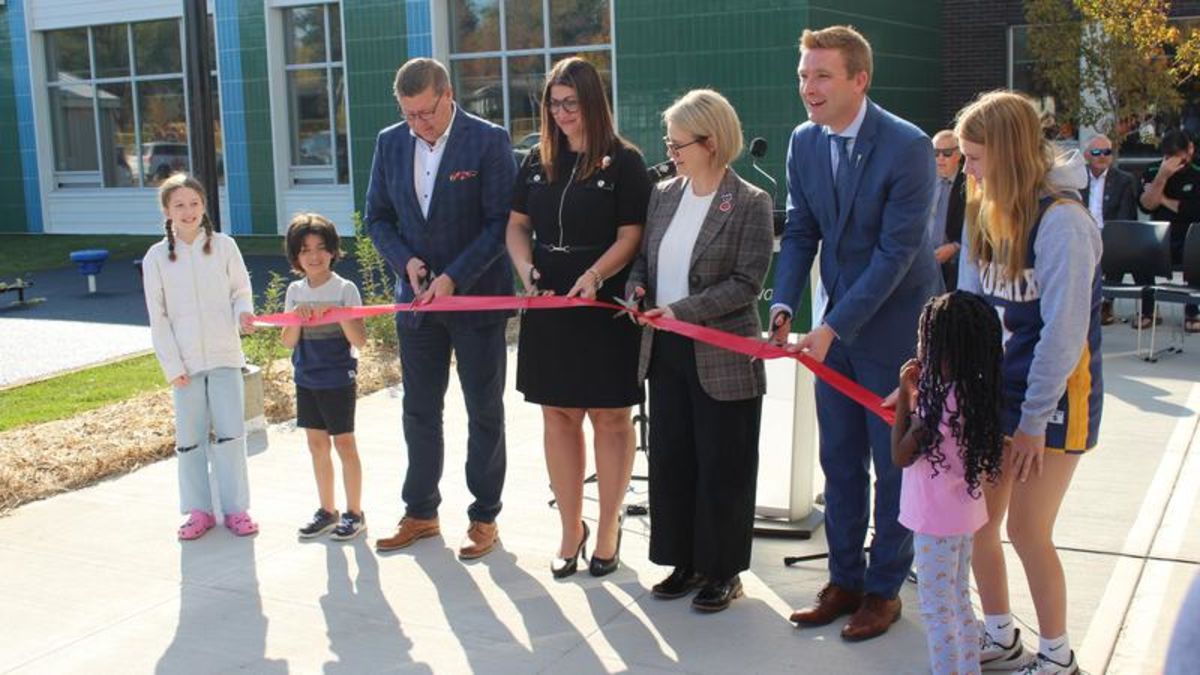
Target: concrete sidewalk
95, 581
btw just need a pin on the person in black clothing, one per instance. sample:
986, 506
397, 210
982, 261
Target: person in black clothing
1110, 195
582, 194
948, 208
1171, 192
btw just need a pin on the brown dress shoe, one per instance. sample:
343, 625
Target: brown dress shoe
480, 540
832, 602
873, 619
408, 532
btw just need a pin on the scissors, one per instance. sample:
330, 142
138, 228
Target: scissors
629, 304
533, 291
421, 287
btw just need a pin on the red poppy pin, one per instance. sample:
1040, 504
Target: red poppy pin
726, 204
462, 175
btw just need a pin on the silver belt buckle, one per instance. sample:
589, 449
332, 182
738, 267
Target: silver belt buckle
555, 248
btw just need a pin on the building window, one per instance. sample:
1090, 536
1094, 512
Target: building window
501, 50
118, 105
316, 95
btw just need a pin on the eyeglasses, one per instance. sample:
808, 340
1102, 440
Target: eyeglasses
423, 115
1100, 152
567, 105
674, 148
945, 152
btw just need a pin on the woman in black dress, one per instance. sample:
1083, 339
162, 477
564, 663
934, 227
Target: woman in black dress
582, 193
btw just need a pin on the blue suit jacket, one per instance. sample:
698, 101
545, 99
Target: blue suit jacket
463, 236
877, 264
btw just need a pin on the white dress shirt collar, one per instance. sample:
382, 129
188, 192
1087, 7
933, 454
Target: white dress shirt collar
851, 131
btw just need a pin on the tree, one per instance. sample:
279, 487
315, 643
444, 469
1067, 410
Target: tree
1111, 63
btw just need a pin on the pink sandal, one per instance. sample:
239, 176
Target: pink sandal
241, 524
197, 524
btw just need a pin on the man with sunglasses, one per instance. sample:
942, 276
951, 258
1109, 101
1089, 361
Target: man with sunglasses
437, 208
1110, 195
1170, 192
948, 208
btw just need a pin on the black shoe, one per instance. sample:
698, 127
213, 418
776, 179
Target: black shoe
351, 525
681, 582
562, 568
322, 522
716, 595
603, 566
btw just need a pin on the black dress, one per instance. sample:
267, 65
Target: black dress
579, 358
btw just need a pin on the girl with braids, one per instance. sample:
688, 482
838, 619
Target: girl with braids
947, 438
197, 294
1035, 253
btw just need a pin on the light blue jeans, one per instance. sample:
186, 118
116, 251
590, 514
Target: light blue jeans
211, 406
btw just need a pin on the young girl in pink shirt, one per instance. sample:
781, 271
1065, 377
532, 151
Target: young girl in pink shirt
947, 438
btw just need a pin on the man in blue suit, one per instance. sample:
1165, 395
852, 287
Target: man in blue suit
437, 208
860, 186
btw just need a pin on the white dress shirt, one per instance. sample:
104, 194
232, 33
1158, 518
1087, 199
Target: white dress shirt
426, 160
1096, 196
675, 250
850, 132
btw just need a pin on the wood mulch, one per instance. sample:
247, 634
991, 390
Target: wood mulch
41, 460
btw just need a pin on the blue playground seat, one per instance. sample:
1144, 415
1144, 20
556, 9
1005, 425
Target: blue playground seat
90, 262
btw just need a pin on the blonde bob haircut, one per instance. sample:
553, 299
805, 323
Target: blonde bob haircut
704, 113
855, 49
1017, 162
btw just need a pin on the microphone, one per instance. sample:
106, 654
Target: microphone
758, 147
661, 171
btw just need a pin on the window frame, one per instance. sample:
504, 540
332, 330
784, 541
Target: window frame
548, 53
314, 175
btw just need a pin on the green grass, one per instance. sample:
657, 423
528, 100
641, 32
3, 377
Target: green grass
25, 253
68, 395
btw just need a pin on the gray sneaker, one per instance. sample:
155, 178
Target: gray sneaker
1044, 665
351, 525
322, 522
994, 656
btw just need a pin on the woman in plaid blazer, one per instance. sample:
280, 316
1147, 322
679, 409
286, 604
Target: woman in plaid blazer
706, 250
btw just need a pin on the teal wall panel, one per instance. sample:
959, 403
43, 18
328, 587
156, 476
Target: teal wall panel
376, 46
906, 38
252, 31
12, 181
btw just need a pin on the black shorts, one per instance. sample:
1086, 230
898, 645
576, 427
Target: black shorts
329, 409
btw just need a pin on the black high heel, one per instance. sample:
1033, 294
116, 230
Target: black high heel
562, 568
599, 567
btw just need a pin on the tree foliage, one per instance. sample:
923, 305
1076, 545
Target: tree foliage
1110, 64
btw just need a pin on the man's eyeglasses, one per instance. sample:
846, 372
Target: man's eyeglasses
945, 152
567, 105
1100, 152
674, 148
423, 115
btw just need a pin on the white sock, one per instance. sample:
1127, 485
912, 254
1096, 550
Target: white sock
1000, 628
1056, 649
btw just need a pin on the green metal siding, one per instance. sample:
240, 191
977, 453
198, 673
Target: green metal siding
376, 46
12, 181
260, 160
906, 38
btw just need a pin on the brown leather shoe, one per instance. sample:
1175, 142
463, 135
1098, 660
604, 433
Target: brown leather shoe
480, 540
873, 619
408, 532
832, 602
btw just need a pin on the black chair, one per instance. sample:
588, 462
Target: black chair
1139, 249
1187, 293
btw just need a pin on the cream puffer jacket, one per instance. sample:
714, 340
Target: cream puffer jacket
194, 303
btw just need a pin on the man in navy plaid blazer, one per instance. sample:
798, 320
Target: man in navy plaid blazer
437, 208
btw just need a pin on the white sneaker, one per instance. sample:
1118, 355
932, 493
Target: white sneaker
994, 656
1044, 665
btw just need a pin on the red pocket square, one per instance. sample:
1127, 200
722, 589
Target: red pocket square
462, 175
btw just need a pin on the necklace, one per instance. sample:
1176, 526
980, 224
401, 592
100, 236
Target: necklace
559, 248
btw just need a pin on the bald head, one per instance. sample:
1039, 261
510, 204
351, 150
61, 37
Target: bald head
1099, 154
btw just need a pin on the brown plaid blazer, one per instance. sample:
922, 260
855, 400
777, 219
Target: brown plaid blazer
729, 262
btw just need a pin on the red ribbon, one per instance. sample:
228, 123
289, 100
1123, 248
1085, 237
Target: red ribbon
749, 346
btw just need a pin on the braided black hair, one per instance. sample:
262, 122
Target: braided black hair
959, 345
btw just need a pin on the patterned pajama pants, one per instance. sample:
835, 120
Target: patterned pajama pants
943, 566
